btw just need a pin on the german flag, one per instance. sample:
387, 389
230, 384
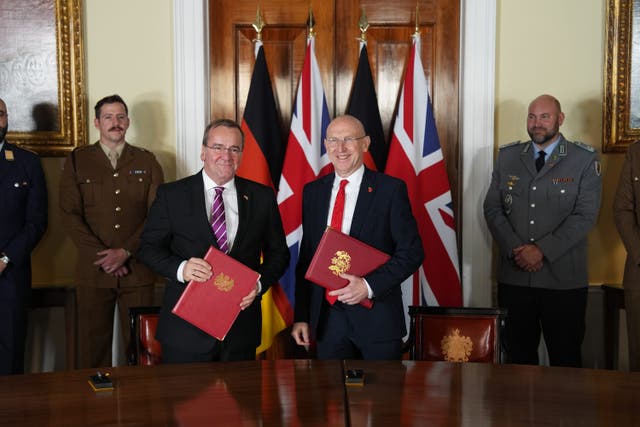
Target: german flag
363, 105
262, 162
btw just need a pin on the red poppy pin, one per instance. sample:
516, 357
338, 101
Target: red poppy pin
370, 189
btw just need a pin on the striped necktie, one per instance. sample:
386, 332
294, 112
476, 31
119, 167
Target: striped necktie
218, 221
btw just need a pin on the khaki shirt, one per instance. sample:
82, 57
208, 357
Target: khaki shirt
103, 208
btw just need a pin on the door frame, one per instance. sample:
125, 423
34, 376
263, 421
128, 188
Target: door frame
477, 106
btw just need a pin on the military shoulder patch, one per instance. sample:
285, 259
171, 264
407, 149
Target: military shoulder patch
509, 145
583, 146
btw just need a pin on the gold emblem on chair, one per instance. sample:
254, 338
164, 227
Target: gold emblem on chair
456, 348
340, 263
223, 282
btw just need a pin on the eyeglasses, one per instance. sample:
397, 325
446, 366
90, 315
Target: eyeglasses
348, 141
234, 150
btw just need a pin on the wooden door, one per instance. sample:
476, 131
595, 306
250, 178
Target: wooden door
336, 27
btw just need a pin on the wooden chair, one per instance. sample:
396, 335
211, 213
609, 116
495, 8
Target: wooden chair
144, 349
461, 334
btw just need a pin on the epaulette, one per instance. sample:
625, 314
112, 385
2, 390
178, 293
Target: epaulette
136, 147
83, 147
28, 150
584, 146
511, 144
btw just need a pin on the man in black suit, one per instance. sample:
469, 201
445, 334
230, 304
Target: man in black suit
23, 219
178, 233
377, 212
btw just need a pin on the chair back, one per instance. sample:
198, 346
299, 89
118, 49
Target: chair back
460, 334
144, 349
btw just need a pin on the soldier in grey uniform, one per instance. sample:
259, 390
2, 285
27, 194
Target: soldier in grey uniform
540, 209
106, 190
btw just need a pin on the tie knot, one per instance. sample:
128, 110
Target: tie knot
219, 190
343, 183
542, 154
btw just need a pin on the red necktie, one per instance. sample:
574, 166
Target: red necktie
336, 222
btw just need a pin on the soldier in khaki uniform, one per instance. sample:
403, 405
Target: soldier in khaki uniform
106, 190
543, 200
626, 213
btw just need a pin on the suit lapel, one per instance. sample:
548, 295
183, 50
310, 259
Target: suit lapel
324, 195
363, 204
199, 208
244, 196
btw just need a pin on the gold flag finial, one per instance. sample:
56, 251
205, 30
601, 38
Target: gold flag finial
311, 22
258, 24
364, 26
417, 32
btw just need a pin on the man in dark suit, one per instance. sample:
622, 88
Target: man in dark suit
106, 190
178, 233
377, 212
23, 219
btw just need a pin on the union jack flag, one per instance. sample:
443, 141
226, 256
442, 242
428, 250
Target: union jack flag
415, 157
305, 159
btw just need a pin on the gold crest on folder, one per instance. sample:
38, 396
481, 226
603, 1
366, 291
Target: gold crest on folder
223, 282
340, 263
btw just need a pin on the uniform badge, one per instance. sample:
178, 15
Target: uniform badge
513, 179
508, 201
137, 172
8, 155
598, 167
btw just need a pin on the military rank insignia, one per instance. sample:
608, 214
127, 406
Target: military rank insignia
508, 201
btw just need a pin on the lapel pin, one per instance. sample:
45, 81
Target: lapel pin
8, 154
370, 189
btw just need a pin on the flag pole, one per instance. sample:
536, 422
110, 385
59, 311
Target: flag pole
258, 25
364, 26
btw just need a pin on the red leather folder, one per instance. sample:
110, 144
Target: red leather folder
214, 305
339, 253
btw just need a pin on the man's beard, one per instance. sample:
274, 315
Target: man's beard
3, 132
541, 139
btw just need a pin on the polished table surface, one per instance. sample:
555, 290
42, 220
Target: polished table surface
312, 393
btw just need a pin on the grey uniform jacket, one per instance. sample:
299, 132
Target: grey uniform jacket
555, 209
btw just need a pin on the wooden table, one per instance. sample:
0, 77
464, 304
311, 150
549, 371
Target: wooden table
473, 394
312, 393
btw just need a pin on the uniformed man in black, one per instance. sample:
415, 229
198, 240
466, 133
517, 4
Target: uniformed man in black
543, 200
23, 221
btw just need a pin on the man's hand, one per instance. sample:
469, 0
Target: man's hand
121, 272
354, 292
2, 266
528, 257
300, 333
246, 301
111, 260
197, 269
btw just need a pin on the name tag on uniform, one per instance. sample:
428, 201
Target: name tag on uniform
562, 180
